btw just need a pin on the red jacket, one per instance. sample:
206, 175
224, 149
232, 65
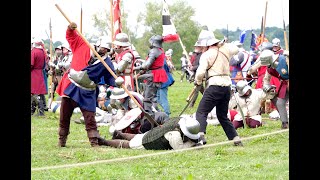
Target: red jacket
81, 56
38, 82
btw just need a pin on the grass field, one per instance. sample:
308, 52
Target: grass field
263, 156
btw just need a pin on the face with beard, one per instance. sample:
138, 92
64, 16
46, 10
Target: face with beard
118, 49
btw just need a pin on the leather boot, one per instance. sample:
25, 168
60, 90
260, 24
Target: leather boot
63, 134
117, 143
120, 135
93, 137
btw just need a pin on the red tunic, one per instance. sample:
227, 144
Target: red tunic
79, 60
283, 83
273, 81
159, 74
38, 83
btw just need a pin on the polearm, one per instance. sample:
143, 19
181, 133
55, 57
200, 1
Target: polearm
284, 30
147, 115
285, 36
264, 21
81, 19
51, 60
111, 20
227, 33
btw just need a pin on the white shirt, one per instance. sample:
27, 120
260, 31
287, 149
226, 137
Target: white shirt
174, 138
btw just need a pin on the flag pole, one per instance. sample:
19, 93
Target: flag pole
111, 19
180, 41
81, 19
264, 21
51, 60
284, 29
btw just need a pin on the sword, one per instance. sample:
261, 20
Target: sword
238, 105
189, 98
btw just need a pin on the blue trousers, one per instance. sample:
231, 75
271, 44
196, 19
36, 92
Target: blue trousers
162, 99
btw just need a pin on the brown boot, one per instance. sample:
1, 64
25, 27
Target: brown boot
117, 143
93, 137
121, 135
63, 135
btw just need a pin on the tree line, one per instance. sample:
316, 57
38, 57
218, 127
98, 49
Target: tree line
181, 14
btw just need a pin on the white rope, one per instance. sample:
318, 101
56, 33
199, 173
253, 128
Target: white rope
152, 154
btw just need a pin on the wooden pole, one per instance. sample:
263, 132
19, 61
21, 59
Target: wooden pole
52, 76
264, 21
111, 19
81, 19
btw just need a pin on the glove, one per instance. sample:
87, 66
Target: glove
50, 72
233, 88
268, 88
286, 53
119, 81
72, 26
51, 64
198, 86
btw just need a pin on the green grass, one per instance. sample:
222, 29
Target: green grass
265, 157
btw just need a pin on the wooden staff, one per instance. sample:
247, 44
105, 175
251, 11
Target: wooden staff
51, 60
264, 21
148, 116
111, 20
81, 19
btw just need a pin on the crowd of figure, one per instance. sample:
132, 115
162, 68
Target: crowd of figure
109, 82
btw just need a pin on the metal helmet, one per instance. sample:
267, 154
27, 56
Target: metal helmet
190, 127
156, 41
238, 44
242, 87
168, 53
265, 45
58, 47
122, 40
66, 45
105, 44
37, 41
118, 93
276, 42
266, 55
206, 38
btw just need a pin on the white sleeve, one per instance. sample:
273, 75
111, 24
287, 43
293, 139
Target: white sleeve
175, 140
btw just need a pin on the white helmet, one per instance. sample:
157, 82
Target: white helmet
238, 44
190, 127
206, 38
122, 39
276, 42
66, 45
242, 87
105, 44
37, 40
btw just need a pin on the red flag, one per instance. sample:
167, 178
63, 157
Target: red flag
169, 30
117, 26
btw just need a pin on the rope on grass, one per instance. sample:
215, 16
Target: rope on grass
151, 154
